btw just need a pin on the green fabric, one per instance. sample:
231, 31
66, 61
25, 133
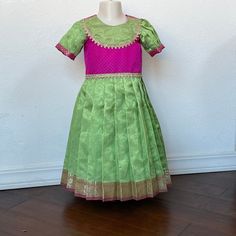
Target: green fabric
114, 133
74, 39
149, 37
113, 35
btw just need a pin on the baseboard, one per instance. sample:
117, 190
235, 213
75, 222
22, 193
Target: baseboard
204, 163
33, 175
46, 174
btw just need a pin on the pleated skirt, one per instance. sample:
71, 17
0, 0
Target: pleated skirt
115, 148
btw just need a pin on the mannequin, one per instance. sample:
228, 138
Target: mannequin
110, 12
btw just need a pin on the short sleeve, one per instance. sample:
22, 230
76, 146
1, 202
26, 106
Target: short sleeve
72, 42
150, 39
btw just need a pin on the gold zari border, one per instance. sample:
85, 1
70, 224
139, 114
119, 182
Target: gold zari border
109, 191
113, 75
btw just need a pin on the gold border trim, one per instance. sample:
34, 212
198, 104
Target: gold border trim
108, 191
113, 75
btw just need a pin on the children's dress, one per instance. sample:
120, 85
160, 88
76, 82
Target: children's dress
115, 149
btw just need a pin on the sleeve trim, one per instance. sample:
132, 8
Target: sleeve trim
65, 51
156, 50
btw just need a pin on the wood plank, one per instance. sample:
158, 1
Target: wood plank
84, 221
206, 189
199, 230
130, 212
215, 221
17, 224
13, 197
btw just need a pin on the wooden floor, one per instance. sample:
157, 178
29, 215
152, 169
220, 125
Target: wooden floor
195, 205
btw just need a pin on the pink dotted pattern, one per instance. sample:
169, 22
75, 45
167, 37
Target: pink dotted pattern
100, 60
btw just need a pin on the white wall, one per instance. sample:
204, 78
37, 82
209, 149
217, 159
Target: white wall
191, 84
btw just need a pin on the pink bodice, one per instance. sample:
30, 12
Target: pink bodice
101, 60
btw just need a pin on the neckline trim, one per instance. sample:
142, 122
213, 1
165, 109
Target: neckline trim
132, 22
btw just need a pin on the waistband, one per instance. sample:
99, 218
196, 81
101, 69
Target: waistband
113, 75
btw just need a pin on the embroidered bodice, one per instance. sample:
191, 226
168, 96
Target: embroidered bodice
111, 49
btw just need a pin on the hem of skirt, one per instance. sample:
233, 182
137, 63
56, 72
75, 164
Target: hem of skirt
105, 199
118, 198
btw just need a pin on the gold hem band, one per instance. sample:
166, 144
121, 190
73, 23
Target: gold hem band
108, 191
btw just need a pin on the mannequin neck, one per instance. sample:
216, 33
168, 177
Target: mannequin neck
110, 12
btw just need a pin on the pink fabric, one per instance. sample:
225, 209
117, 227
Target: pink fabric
100, 60
156, 50
65, 51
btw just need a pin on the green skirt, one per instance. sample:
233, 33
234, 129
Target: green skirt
115, 148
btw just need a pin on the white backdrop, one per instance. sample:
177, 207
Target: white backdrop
191, 84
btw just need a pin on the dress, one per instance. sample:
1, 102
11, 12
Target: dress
115, 148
